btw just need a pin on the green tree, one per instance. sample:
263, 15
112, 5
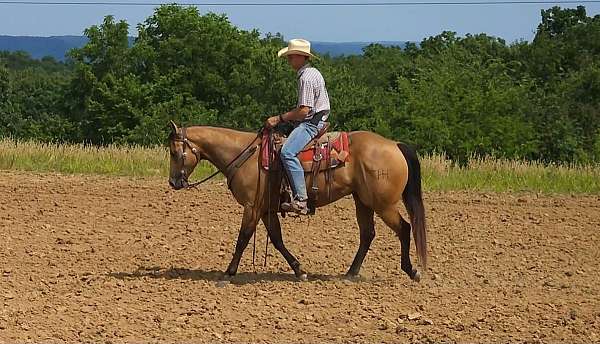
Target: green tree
471, 95
185, 66
557, 21
30, 98
102, 105
3, 84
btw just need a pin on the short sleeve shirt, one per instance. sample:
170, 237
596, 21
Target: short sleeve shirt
312, 91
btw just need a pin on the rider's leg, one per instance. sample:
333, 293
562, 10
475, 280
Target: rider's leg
299, 138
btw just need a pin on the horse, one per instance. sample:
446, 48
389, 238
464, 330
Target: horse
379, 175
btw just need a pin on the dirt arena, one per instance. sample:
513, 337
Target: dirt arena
100, 259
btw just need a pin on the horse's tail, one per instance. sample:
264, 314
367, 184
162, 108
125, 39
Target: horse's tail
413, 200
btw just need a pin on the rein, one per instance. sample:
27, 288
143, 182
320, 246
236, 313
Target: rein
195, 184
249, 150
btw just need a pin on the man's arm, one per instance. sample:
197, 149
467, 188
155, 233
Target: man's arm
297, 114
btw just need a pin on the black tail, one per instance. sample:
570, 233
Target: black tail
413, 200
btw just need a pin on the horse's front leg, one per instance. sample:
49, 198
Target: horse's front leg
271, 221
249, 222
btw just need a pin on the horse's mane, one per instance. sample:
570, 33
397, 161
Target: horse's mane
244, 130
173, 135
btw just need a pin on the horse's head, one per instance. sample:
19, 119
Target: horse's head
184, 157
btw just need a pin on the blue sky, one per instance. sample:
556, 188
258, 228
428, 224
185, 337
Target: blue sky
334, 24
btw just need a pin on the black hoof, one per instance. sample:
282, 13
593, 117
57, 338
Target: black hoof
415, 276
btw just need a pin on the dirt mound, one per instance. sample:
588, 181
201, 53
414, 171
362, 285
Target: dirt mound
116, 259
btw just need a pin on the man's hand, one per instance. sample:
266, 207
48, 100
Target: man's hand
272, 121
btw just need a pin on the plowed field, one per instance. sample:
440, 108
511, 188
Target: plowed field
86, 258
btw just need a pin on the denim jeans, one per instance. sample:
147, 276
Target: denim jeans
300, 137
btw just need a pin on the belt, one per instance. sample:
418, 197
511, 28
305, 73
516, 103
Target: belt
318, 117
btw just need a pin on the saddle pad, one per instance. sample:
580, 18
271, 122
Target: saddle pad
338, 151
337, 145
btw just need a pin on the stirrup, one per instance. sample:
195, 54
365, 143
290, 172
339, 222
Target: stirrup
295, 207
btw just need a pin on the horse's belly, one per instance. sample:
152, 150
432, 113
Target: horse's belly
332, 185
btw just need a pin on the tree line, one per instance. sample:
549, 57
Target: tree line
475, 95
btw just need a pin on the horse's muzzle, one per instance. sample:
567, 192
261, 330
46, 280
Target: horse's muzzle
178, 184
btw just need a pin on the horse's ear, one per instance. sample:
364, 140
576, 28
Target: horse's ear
173, 126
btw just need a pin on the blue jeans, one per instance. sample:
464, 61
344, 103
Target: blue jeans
300, 137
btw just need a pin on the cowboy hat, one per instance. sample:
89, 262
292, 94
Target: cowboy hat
296, 47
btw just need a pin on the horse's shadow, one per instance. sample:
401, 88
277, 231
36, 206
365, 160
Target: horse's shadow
217, 276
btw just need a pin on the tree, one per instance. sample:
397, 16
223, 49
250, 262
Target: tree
4, 85
557, 21
184, 66
471, 95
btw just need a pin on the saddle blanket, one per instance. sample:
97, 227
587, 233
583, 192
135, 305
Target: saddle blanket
333, 149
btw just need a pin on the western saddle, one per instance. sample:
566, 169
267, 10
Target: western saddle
321, 155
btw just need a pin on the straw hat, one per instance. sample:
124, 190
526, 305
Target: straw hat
296, 47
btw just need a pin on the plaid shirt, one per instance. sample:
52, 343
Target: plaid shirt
312, 91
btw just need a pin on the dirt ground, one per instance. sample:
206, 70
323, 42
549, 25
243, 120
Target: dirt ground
101, 259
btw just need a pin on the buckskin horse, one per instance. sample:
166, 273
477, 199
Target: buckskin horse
379, 174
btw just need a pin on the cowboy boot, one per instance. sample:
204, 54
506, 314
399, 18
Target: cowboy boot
295, 206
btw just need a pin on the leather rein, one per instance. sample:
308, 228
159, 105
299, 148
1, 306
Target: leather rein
229, 170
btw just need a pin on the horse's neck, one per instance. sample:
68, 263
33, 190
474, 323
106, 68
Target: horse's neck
219, 145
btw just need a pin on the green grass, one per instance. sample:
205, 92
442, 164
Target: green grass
439, 173
85, 159
500, 175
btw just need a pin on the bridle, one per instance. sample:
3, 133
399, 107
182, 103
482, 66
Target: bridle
229, 170
182, 137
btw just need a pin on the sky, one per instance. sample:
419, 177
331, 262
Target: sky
330, 24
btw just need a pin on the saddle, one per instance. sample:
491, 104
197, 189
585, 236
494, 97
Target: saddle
323, 154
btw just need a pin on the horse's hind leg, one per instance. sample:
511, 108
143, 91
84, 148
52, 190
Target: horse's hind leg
271, 221
394, 220
405, 262
366, 224
249, 221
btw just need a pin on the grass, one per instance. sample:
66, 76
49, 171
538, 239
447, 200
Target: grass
480, 174
132, 160
501, 175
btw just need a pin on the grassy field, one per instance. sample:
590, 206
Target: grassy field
438, 172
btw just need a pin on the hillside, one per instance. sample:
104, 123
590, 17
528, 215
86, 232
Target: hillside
57, 46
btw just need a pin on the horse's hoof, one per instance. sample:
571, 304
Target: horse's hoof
416, 276
303, 277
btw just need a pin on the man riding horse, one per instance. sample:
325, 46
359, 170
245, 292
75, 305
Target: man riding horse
380, 174
309, 117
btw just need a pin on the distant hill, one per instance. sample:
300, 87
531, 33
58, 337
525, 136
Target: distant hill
57, 46
38, 47
349, 48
